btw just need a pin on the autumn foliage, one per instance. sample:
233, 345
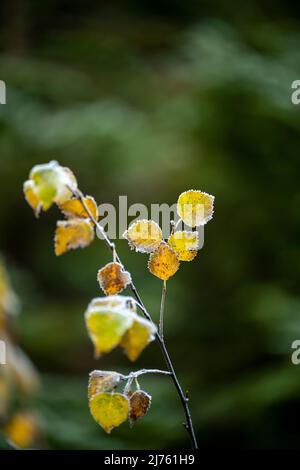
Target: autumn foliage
114, 320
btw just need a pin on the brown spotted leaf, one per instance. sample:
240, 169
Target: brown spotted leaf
113, 279
140, 403
163, 263
102, 381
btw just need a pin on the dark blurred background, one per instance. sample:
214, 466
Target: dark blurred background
148, 99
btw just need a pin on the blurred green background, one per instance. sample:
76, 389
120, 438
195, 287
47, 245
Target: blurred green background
148, 99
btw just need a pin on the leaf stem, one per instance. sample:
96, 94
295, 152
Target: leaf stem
136, 374
162, 309
184, 401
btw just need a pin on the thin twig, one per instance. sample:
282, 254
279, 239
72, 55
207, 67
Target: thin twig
162, 309
175, 225
136, 374
189, 423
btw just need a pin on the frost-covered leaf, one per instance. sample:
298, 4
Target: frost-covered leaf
102, 381
109, 410
113, 279
139, 335
140, 402
185, 244
195, 207
106, 329
107, 322
32, 197
74, 208
163, 263
144, 235
49, 183
72, 234
120, 302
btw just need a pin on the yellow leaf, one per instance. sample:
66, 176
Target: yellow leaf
49, 183
144, 235
195, 207
140, 403
102, 381
109, 409
141, 333
72, 234
113, 279
163, 263
107, 322
32, 197
106, 329
22, 430
73, 208
185, 244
